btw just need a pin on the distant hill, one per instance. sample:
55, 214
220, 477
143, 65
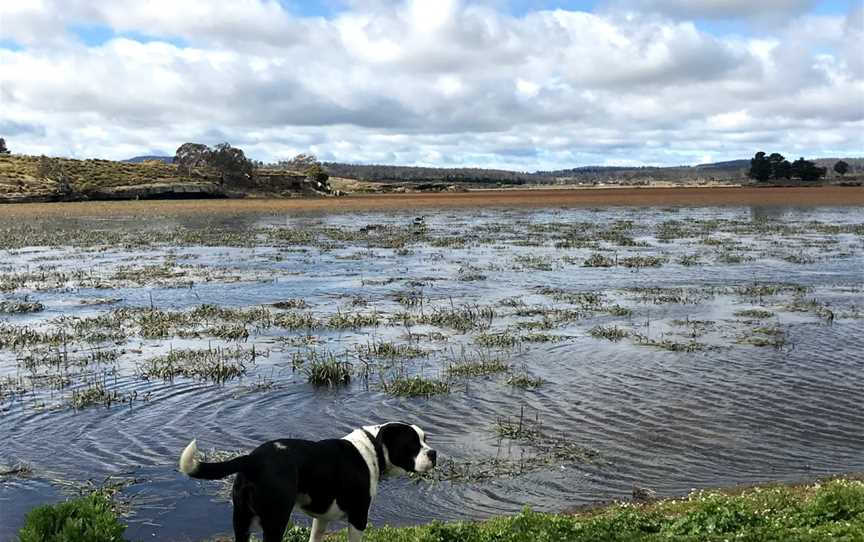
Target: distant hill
139, 159
728, 171
731, 164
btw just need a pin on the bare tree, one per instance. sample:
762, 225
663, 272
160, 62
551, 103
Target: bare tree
303, 161
51, 169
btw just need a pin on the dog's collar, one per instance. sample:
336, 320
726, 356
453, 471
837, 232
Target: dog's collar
379, 451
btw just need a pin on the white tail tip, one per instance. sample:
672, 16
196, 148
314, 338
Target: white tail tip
189, 458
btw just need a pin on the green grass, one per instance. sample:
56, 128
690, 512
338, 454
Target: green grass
822, 511
88, 519
415, 386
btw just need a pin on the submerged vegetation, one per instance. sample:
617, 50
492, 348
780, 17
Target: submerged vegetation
424, 312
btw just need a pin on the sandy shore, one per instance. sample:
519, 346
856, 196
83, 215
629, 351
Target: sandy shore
553, 198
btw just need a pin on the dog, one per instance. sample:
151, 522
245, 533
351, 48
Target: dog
333, 479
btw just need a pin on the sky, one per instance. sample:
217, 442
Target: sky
516, 84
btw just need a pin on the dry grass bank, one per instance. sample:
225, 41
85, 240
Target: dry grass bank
538, 198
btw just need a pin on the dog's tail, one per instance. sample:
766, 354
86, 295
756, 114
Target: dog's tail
191, 466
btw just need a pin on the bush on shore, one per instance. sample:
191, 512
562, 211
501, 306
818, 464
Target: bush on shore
88, 519
817, 512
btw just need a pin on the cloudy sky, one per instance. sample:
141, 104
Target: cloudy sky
518, 84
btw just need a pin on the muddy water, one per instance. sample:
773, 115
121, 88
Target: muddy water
728, 412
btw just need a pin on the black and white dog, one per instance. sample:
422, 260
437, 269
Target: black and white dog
330, 479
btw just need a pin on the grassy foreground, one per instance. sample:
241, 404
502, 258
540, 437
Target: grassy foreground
830, 510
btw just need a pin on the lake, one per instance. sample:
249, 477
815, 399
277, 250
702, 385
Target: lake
555, 357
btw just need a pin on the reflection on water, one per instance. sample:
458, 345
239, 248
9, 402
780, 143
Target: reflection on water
732, 413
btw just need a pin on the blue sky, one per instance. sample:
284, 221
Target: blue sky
491, 83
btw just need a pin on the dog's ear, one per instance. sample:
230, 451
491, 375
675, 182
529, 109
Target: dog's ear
402, 444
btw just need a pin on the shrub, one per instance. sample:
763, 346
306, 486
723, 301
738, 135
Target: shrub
88, 519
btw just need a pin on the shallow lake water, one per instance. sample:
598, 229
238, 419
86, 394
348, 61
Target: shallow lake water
672, 348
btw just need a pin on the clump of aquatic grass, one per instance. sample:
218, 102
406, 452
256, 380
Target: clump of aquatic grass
480, 365
17, 337
542, 338
774, 337
19, 469
215, 364
328, 371
410, 299
384, 349
353, 320
525, 381
798, 258
229, 332
670, 345
20, 306
680, 296
463, 318
512, 302
618, 310
689, 260
414, 386
470, 274
519, 427
611, 333
585, 300
537, 263
696, 328
641, 261
759, 290
505, 339
598, 260
296, 320
291, 304
759, 314
100, 301
95, 394
800, 304
545, 323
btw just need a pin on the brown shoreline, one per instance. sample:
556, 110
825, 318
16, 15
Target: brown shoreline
536, 198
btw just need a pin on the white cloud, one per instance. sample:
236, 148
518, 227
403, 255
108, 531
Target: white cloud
722, 9
426, 81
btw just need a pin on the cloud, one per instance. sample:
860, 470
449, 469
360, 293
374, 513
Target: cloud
720, 9
425, 81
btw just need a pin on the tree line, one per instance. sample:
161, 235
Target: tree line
233, 166
775, 167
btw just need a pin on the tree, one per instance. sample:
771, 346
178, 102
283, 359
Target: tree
760, 168
317, 175
3, 149
841, 167
51, 169
807, 171
190, 156
780, 167
230, 162
303, 161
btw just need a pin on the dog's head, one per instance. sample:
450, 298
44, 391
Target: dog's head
405, 447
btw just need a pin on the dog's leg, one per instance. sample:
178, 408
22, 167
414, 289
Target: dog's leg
274, 528
357, 521
242, 517
319, 526
242, 523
